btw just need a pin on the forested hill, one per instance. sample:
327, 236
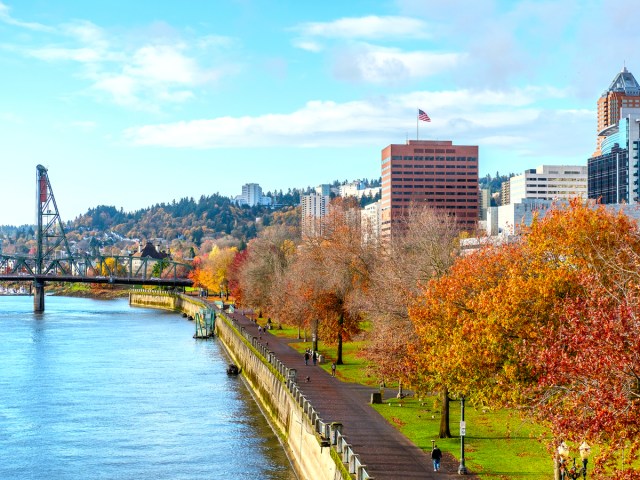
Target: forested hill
211, 216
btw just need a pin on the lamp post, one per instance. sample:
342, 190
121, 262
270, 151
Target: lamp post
573, 472
462, 469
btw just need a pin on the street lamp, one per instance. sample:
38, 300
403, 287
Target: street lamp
573, 472
462, 469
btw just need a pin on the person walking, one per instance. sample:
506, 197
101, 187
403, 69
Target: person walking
314, 356
306, 357
333, 369
436, 455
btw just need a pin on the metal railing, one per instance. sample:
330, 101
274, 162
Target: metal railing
330, 432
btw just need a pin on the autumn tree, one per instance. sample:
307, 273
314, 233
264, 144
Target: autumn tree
423, 246
268, 256
588, 364
212, 270
544, 322
330, 269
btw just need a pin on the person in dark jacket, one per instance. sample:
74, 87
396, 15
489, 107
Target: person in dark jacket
436, 455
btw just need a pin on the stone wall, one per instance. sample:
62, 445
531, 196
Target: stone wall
304, 435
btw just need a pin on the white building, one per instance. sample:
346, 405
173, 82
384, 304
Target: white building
252, 196
371, 220
358, 190
314, 208
324, 189
507, 219
549, 182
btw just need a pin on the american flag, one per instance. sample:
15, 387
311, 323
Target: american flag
423, 116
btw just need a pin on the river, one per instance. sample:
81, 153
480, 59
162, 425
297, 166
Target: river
95, 389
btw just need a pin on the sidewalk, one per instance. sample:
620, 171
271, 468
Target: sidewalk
387, 454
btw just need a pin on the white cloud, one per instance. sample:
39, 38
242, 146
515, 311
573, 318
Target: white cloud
8, 19
373, 64
308, 45
369, 27
472, 114
142, 72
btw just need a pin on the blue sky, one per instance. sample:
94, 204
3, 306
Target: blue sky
135, 103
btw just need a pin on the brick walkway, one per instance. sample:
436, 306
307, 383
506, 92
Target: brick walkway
387, 454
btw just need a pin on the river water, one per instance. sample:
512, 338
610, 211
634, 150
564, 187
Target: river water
96, 389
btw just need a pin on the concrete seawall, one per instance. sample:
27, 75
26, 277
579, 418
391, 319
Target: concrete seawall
309, 442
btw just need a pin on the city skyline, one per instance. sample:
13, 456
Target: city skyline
136, 104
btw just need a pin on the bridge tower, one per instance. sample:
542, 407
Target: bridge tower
50, 235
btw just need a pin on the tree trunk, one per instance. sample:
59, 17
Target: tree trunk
445, 432
339, 353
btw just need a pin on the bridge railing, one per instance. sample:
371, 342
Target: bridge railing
330, 432
120, 266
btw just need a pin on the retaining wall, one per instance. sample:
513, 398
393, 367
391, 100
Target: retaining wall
316, 449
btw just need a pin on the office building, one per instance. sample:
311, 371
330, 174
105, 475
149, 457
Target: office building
443, 175
613, 170
549, 182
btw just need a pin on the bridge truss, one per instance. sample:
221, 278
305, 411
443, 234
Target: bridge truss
54, 261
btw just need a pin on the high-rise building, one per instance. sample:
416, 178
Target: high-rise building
252, 196
624, 92
314, 209
549, 182
438, 173
505, 191
613, 170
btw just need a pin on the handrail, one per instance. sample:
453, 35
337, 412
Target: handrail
330, 432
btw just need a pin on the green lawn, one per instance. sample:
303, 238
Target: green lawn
497, 445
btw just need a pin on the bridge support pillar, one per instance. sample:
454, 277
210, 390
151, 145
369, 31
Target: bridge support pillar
38, 296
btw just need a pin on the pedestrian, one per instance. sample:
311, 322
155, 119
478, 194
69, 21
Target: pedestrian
306, 357
436, 455
315, 357
333, 369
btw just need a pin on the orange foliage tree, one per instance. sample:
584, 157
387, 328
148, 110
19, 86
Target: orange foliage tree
329, 270
547, 323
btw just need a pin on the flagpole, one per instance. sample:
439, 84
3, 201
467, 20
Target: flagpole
417, 131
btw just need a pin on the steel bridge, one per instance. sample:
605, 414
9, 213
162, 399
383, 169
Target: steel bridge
54, 262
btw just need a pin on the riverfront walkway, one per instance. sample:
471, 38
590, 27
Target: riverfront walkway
387, 454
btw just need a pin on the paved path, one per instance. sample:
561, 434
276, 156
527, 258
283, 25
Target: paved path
387, 454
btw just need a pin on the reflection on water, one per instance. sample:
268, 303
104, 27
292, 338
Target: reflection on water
96, 389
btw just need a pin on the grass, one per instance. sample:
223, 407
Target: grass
498, 444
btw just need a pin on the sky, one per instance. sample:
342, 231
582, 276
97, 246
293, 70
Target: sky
130, 104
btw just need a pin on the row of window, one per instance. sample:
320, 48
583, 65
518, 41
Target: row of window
469, 174
456, 166
431, 159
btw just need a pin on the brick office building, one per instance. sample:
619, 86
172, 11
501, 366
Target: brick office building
436, 172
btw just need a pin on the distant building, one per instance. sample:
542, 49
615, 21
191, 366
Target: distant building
252, 196
370, 218
313, 210
438, 173
505, 190
148, 256
324, 189
357, 189
508, 219
549, 182
613, 169
485, 202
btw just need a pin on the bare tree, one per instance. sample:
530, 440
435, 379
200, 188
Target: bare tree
268, 258
424, 245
